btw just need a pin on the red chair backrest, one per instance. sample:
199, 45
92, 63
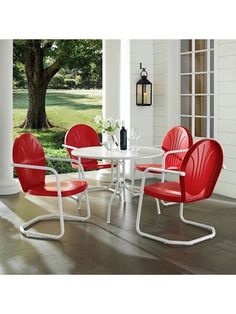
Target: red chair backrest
82, 135
177, 138
28, 150
202, 165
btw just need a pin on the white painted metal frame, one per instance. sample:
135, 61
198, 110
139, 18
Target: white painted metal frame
60, 215
119, 157
181, 210
97, 188
137, 190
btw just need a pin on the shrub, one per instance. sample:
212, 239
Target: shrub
57, 82
60, 166
70, 83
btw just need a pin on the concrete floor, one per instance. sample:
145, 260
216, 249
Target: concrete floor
95, 247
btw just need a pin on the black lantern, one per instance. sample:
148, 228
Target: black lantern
143, 89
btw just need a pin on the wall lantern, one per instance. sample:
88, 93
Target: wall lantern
143, 89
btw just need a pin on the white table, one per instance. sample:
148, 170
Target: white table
119, 157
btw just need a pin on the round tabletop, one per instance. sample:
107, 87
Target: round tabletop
100, 152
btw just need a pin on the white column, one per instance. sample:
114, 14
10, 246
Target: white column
111, 88
111, 78
7, 184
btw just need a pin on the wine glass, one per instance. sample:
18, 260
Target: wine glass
135, 136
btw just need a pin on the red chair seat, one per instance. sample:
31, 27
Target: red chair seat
167, 191
143, 167
93, 166
68, 188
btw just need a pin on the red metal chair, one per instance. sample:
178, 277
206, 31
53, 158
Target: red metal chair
82, 135
29, 162
175, 145
198, 173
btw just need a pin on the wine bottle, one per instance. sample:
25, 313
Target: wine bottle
123, 137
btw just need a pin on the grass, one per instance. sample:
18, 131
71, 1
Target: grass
64, 109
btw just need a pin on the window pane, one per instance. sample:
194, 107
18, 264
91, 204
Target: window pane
212, 61
200, 84
186, 105
212, 43
186, 63
201, 105
200, 44
186, 45
201, 127
212, 128
211, 83
200, 62
211, 105
186, 84
187, 122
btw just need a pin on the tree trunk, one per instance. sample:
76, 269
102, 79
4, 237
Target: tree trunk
38, 79
36, 115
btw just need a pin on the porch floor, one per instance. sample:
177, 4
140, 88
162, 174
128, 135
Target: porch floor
96, 247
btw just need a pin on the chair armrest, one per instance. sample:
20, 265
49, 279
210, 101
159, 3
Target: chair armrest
68, 146
175, 151
162, 170
26, 166
67, 160
172, 152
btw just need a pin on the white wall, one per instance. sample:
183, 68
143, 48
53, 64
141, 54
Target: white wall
166, 87
141, 117
161, 58
111, 79
225, 81
166, 101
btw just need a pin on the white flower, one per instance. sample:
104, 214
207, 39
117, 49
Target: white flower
109, 125
98, 119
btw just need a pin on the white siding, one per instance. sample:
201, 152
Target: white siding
141, 117
161, 57
159, 90
226, 98
166, 101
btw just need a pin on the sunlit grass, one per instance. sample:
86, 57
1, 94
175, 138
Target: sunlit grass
64, 109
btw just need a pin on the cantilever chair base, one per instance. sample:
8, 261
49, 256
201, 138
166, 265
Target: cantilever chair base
177, 242
61, 217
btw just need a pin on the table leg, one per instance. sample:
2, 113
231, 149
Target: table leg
120, 188
116, 191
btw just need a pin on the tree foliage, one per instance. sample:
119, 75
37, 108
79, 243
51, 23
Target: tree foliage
79, 60
43, 59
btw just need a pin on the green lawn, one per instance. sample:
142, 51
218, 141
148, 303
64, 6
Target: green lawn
64, 109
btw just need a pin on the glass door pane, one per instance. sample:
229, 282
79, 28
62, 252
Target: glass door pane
212, 106
200, 84
211, 83
200, 44
201, 62
187, 122
201, 105
186, 63
201, 127
186, 45
212, 61
186, 84
186, 105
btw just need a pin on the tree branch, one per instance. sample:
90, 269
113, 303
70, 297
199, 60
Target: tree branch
48, 44
50, 71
